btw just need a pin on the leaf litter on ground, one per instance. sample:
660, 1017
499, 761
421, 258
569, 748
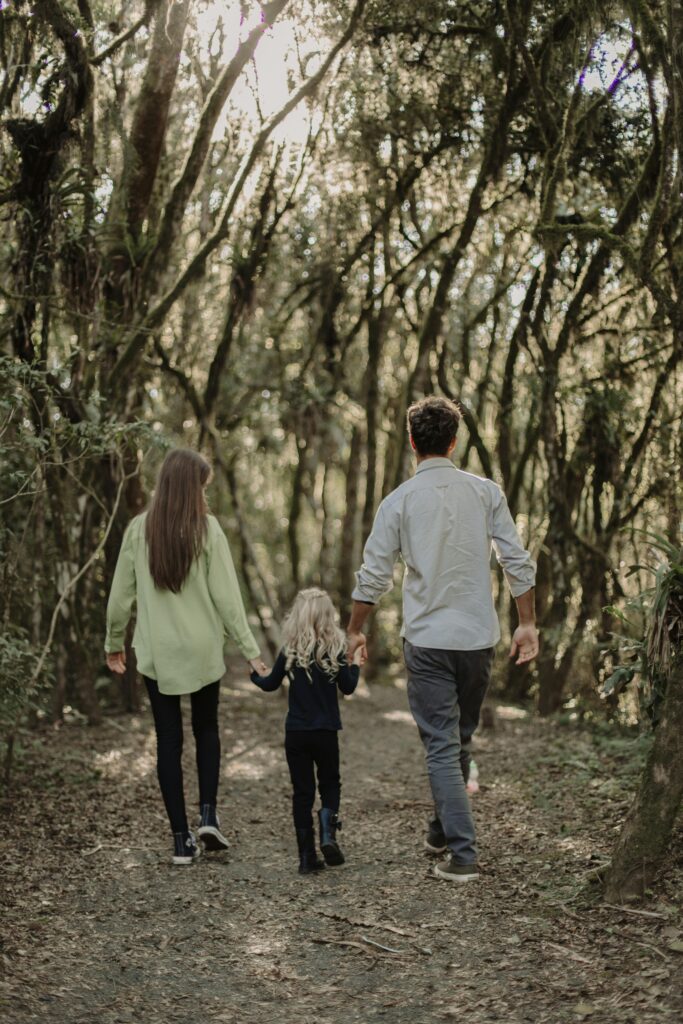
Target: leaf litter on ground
99, 926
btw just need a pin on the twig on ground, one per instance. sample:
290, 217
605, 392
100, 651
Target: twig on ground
387, 949
571, 953
365, 924
118, 848
565, 909
360, 945
659, 952
341, 942
630, 910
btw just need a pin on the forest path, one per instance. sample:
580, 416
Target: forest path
101, 929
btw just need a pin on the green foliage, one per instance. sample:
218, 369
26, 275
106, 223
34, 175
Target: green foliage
50, 519
386, 242
653, 650
18, 692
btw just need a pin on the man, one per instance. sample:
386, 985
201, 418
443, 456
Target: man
442, 523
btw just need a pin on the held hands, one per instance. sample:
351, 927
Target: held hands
117, 662
258, 666
524, 643
360, 655
357, 652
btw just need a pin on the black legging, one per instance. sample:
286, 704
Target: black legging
168, 723
306, 748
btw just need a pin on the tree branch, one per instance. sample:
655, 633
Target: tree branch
184, 184
127, 34
196, 266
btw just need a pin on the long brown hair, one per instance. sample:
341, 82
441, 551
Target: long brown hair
175, 529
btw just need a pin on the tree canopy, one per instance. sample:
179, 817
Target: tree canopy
264, 230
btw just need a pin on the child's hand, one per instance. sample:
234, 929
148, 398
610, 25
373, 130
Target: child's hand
360, 655
258, 666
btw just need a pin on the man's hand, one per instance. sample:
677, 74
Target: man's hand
524, 643
117, 662
258, 666
355, 640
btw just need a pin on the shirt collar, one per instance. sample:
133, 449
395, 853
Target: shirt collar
440, 462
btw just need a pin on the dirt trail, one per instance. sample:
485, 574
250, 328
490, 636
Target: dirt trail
100, 929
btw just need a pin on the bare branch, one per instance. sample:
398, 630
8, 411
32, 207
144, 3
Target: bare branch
124, 36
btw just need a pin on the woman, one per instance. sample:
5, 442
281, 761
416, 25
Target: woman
176, 564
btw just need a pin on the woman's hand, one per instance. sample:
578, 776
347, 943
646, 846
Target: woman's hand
116, 662
258, 666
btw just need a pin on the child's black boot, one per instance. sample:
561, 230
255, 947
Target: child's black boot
329, 824
308, 855
209, 830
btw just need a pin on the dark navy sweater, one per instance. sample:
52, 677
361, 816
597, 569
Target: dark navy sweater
313, 701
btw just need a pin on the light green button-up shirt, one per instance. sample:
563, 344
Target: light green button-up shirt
179, 638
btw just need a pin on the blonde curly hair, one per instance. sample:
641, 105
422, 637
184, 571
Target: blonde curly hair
311, 633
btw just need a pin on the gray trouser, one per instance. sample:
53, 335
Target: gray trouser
445, 692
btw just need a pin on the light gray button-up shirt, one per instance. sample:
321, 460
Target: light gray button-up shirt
442, 523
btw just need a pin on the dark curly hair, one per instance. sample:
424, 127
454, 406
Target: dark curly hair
433, 424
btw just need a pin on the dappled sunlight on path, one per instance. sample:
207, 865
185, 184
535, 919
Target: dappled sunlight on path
102, 928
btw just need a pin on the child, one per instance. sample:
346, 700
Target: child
314, 659
175, 564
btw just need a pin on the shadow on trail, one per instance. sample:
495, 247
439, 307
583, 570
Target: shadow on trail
101, 928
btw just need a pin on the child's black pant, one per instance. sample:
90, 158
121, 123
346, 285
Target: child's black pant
306, 749
168, 723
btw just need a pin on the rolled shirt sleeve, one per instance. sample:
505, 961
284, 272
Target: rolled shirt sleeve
225, 594
376, 575
121, 596
516, 562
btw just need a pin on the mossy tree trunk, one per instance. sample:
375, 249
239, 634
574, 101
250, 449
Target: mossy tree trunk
646, 834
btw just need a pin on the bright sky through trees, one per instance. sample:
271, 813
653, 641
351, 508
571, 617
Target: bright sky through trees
286, 50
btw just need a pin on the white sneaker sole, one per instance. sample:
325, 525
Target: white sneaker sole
212, 838
455, 878
183, 861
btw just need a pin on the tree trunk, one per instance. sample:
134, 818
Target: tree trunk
151, 113
327, 530
294, 515
372, 401
253, 577
646, 834
348, 554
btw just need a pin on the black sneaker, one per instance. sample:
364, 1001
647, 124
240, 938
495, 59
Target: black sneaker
209, 830
435, 840
454, 872
185, 849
